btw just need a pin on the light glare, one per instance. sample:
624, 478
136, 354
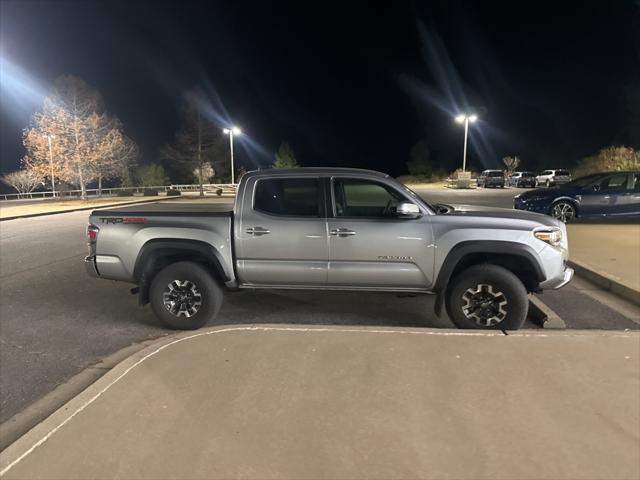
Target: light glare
473, 118
236, 131
460, 118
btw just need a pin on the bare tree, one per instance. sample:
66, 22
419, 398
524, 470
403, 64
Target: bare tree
205, 173
511, 163
23, 181
115, 153
87, 144
199, 141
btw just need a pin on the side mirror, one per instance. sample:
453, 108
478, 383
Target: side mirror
596, 187
408, 210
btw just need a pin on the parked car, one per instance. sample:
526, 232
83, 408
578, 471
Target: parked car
522, 179
321, 228
491, 178
598, 195
549, 178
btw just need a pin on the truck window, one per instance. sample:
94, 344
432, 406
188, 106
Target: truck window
364, 198
288, 196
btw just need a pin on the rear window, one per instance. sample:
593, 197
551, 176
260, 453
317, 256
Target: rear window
562, 173
528, 174
494, 174
288, 196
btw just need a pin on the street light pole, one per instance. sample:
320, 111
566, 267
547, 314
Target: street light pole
465, 119
231, 132
464, 155
53, 181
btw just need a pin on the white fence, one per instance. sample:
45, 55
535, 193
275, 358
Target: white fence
209, 188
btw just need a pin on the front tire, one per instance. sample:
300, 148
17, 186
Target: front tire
184, 296
564, 211
487, 297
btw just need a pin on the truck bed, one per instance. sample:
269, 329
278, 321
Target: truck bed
168, 209
126, 234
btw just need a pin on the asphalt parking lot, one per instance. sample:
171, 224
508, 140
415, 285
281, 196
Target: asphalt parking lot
55, 320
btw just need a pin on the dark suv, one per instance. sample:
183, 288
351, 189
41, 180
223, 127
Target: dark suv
491, 178
522, 179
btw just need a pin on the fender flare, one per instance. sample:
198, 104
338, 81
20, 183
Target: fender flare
159, 247
460, 250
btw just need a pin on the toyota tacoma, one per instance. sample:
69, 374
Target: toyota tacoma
330, 229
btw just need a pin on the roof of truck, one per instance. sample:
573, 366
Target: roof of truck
316, 171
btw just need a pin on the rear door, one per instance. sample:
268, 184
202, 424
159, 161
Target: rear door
281, 234
369, 246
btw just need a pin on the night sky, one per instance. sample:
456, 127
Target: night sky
346, 83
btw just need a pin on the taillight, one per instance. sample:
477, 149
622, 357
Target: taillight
92, 233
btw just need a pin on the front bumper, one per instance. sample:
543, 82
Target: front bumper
530, 206
90, 266
558, 281
568, 275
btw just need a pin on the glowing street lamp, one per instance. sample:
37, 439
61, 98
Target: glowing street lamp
466, 119
231, 132
53, 182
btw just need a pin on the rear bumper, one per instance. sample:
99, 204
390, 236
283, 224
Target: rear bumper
90, 266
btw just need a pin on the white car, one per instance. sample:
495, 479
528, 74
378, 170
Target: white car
548, 178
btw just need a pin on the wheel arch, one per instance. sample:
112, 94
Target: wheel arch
518, 258
158, 253
570, 200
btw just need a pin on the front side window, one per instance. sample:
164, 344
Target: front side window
298, 197
364, 198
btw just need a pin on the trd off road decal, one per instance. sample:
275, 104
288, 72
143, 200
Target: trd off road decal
124, 220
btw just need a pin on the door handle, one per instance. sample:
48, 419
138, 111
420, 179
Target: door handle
257, 231
342, 232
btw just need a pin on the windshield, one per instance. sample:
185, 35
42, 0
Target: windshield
494, 174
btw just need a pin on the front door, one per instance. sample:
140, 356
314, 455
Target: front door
281, 234
369, 245
607, 197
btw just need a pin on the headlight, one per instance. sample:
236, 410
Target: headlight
553, 236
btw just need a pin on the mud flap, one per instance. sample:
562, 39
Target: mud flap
437, 306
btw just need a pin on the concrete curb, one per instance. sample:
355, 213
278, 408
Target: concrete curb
27, 430
94, 207
542, 313
605, 281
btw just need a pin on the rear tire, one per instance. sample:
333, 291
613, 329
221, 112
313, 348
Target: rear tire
184, 296
487, 297
547, 184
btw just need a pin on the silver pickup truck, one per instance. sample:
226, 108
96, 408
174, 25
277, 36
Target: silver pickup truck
330, 228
